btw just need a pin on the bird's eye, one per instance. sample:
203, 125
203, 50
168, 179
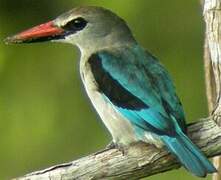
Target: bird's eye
76, 24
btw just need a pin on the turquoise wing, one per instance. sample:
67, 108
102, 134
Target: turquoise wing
139, 87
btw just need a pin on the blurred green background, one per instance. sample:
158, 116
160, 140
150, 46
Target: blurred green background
45, 116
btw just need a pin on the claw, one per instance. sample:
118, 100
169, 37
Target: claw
111, 145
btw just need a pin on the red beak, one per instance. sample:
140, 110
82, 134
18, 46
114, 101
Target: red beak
43, 32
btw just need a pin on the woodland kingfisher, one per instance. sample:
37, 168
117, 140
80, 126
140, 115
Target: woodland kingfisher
129, 88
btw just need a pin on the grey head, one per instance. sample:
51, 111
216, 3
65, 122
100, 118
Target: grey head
88, 27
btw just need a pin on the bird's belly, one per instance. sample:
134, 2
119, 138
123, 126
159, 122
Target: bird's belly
121, 130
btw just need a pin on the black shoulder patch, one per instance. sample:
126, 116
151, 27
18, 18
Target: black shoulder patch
111, 88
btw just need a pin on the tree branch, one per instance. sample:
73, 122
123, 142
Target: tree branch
139, 160
212, 59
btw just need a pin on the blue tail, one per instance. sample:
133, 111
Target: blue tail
189, 155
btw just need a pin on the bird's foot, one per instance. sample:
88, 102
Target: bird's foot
113, 145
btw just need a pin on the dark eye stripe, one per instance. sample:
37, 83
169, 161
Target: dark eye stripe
75, 24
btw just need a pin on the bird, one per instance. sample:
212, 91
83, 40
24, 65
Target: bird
129, 88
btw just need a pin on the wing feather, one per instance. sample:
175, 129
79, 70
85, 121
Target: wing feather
139, 87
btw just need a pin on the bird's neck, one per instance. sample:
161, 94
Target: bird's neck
86, 52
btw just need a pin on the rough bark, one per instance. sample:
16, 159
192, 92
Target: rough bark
139, 160
212, 59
